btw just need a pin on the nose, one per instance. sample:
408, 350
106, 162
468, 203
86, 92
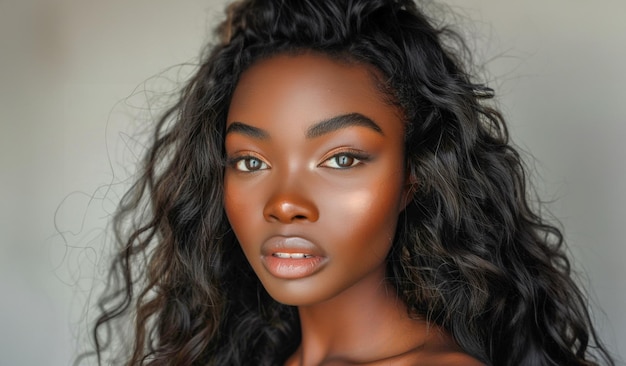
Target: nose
290, 205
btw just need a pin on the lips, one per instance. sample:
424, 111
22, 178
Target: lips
291, 257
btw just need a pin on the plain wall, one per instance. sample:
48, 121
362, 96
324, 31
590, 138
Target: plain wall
79, 78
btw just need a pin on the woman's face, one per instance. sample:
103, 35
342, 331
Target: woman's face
315, 177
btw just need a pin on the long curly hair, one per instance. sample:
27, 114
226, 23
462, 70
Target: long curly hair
470, 253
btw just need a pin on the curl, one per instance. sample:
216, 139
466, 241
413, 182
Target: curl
470, 253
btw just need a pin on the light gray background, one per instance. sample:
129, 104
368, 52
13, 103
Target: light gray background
77, 78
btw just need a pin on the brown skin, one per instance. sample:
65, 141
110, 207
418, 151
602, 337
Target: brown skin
330, 195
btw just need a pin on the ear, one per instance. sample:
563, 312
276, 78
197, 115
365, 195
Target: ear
408, 192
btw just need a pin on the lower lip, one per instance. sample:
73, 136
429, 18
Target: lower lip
290, 268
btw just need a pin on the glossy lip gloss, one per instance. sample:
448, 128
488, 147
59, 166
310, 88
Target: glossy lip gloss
291, 257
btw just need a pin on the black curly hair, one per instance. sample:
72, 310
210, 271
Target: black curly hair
470, 253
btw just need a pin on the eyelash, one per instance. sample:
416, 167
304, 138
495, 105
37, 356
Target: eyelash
235, 161
358, 157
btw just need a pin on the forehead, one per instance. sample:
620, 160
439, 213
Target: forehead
307, 88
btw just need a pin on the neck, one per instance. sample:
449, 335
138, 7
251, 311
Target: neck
364, 323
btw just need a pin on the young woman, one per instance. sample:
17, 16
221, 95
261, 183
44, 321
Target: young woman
332, 189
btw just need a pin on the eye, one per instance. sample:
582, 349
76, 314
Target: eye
249, 164
344, 160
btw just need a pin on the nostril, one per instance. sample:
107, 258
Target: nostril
289, 209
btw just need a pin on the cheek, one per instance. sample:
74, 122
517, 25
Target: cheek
232, 205
366, 217
238, 203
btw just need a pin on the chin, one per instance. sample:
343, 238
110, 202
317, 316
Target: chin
296, 293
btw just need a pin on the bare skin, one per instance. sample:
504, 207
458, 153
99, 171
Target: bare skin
368, 335
313, 188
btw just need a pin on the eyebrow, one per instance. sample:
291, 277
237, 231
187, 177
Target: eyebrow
319, 129
251, 131
342, 121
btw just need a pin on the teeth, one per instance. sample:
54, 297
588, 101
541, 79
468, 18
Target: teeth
292, 255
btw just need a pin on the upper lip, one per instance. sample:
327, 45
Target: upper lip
290, 244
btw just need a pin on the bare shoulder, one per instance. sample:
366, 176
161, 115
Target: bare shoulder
440, 349
440, 357
450, 359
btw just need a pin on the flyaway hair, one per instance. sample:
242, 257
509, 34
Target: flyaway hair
470, 253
